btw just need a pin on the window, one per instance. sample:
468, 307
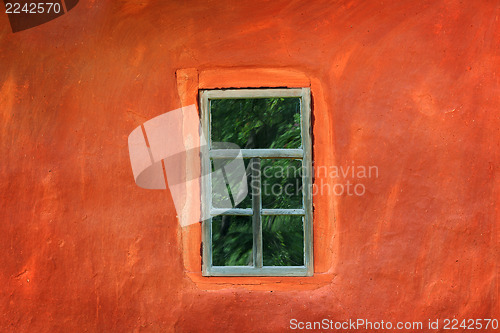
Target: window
268, 232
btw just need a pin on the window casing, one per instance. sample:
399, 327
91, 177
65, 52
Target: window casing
257, 212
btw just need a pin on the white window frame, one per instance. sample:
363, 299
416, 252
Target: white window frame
304, 153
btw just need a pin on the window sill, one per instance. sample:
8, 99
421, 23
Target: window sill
270, 283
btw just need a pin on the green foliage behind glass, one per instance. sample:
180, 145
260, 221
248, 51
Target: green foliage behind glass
257, 122
261, 123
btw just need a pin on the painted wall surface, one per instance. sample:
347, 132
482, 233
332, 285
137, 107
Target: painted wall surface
412, 87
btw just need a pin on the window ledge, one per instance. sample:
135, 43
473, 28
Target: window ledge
270, 283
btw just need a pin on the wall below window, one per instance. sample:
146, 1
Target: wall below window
409, 87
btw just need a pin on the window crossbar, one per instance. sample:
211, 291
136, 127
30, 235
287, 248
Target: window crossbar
249, 212
257, 153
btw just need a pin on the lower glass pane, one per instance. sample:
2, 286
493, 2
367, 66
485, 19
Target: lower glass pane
283, 240
232, 241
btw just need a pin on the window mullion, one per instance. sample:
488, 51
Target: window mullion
257, 218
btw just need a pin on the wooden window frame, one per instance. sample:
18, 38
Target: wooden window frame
304, 153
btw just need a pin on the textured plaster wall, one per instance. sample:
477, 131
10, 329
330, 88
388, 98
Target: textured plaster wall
412, 87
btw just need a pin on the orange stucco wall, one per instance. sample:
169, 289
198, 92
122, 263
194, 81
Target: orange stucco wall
412, 87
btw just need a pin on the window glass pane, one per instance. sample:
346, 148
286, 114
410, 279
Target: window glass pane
283, 240
257, 122
232, 240
231, 186
281, 183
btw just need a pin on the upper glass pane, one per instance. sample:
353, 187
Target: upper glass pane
257, 122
